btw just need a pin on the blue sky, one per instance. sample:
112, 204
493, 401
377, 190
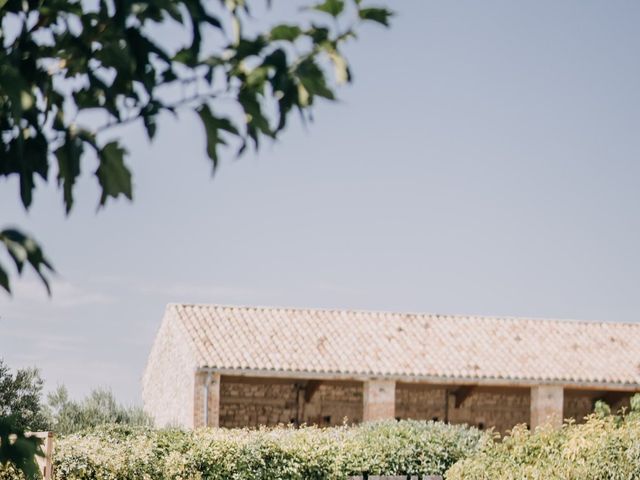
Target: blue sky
485, 161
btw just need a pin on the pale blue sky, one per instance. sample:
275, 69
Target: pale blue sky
485, 161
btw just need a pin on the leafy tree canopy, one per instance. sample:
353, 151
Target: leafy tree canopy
21, 410
72, 70
99, 408
21, 398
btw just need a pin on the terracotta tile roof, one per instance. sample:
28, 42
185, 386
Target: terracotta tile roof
401, 345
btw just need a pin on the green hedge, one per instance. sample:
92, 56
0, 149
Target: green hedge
125, 453
605, 447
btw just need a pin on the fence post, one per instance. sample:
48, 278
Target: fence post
45, 463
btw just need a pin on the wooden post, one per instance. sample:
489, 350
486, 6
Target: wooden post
547, 404
379, 400
45, 463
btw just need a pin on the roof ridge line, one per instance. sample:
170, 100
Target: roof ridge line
505, 318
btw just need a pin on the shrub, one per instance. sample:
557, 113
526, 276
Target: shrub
605, 447
408, 447
309, 453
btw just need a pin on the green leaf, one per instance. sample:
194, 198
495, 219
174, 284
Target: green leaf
68, 156
186, 56
256, 122
247, 48
378, 15
285, 32
332, 7
149, 113
113, 175
17, 251
24, 249
4, 280
313, 80
150, 126
318, 34
213, 126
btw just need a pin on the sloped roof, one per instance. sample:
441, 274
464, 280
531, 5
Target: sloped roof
404, 345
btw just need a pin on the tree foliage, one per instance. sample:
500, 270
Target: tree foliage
98, 408
71, 71
21, 409
21, 398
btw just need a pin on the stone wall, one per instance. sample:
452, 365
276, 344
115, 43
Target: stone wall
334, 404
501, 409
418, 403
250, 403
247, 402
483, 408
254, 404
578, 405
168, 380
486, 409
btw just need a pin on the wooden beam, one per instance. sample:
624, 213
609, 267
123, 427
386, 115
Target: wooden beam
258, 401
311, 389
446, 405
432, 379
499, 390
503, 390
300, 403
258, 380
461, 394
285, 381
421, 387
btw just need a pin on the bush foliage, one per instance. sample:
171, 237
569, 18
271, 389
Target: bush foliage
128, 453
605, 447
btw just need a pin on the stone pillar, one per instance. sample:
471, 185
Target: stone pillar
213, 417
379, 400
207, 400
547, 402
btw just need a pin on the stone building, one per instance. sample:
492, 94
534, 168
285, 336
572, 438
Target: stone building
247, 366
